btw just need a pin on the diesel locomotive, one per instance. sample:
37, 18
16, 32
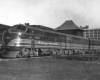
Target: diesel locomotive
16, 40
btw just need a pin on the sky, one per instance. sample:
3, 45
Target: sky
50, 13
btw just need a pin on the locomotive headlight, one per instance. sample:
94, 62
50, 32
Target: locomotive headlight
19, 34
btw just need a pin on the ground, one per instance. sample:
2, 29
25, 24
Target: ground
49, 68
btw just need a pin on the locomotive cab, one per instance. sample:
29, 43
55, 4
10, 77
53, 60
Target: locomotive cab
15, 39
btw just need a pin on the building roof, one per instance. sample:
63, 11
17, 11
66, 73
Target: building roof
68, 25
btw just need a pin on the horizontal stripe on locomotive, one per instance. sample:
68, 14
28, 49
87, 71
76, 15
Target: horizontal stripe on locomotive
17, 41
46, 43
25, 44
36, 46
28, 42
39, 45
51, 46
46, 46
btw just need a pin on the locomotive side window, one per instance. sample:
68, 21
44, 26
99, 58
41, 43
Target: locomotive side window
38, 32
69, 39
51, 34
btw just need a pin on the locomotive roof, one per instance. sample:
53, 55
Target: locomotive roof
42, 27
46, 29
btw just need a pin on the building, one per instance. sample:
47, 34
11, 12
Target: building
69, 27
92, 33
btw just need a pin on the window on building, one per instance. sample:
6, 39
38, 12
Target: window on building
91, 36
95, 36
91, 31
95, 31
98, 31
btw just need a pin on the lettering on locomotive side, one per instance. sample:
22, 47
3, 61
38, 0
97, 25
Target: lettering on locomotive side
37, 37
47, 43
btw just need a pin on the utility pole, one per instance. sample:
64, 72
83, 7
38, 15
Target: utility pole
89, 44
32, 43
